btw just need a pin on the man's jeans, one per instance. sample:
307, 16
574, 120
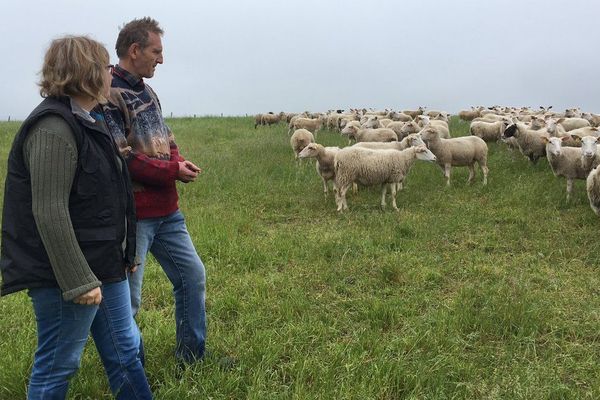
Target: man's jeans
169, 242
63, 328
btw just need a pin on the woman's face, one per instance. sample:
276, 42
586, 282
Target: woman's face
107, 80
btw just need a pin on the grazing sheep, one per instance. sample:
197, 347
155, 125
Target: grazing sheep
369, 135
374, 167
325, 157
530, 142
565, 161
592, 186
309, 124
488, 131
300, 139
460, 151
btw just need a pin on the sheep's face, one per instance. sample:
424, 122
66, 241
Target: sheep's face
553, 145
589, 146
349, 130
510, 131
309, 151
428, 134
424, 154
415, 139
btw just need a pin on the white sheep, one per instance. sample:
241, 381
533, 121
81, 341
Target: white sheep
565, 161
324, 164
459, 151
369, 135
592, 186
573, 123
374, 167
309, 124
299, 140
488, 131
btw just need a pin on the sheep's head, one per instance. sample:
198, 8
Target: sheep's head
310, 150
553, 144
510, 131
350, 130
415, 139
424, 154
589, 145
428, 133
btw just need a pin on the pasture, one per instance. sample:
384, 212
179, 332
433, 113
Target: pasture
468, 292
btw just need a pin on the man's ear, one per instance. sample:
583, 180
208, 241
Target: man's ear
134, 50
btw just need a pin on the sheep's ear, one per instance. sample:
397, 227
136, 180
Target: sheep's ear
545, 139
560, 120
598, 140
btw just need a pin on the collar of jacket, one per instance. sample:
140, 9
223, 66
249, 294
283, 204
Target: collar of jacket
128, 77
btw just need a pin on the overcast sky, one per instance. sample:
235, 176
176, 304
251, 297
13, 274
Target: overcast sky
244, 57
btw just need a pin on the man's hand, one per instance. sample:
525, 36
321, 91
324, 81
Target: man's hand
94, 296
187, 171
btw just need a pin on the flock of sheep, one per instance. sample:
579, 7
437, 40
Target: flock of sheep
387, 143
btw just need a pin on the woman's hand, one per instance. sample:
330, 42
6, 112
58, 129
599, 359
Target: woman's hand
94, 296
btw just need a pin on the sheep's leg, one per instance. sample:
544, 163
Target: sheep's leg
383, 193
485, 171
325, 188
447, 173
569, 188
354, 188
340, 197
471, 173
394, 191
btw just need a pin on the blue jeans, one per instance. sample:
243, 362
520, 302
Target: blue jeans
169, 242
63, 328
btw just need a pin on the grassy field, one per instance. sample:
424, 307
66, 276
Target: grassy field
468, 292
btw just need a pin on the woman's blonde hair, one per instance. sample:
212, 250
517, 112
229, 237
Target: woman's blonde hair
74, 66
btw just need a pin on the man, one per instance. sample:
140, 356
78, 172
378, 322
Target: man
134, 117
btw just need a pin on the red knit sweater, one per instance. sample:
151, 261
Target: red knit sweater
134, 118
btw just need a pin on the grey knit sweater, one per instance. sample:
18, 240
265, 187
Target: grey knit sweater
50, 153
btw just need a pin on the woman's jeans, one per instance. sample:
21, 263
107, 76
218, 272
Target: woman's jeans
168, 240
63, 328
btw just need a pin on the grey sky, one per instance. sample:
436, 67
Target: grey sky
244, 57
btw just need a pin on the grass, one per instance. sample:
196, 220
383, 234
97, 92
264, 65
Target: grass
468, 292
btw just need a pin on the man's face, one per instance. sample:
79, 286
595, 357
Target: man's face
145, 60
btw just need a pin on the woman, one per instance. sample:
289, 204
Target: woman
68, 226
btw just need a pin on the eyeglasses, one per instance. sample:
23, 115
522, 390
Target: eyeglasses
110, 68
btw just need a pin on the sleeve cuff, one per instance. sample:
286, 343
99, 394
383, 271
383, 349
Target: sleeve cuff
78, 291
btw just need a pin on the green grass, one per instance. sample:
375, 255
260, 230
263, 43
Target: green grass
468, 292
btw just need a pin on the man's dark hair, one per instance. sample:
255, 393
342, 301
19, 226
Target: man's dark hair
136, 31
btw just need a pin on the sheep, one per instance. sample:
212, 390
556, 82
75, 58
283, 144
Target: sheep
565, 161
593, 119
469, 115
414, 139
369, 135
324, 164
529, 141
488, 131
309, 124
460, 151
571, 137
441, 126
270, 119
573, 123
414, 113
374, 167
299, 140
589, 151
592, 186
